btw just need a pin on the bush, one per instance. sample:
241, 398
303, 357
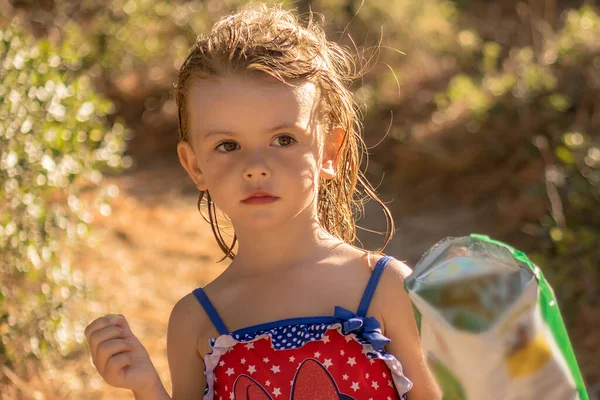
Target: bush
558, 83
55, 144
508, 110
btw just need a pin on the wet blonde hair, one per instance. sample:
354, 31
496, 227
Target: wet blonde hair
272, 41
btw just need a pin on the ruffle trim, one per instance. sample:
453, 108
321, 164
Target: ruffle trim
312, 332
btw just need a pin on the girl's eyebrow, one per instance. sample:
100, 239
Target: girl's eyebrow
275, 128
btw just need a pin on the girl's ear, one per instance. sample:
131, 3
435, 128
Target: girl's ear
189, 162
331, 147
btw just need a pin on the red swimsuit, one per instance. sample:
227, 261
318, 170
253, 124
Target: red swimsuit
339, 357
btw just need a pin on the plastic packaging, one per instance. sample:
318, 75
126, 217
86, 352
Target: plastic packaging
490, 325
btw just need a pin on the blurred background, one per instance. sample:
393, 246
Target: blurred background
480, 116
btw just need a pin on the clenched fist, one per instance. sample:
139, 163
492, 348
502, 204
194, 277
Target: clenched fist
120, 358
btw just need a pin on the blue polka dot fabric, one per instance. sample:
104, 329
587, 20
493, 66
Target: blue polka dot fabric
288, 337
277, 360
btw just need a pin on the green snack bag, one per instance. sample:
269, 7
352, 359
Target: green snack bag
490, 325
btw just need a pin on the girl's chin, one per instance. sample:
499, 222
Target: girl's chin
262, 222
259, 224
270, 218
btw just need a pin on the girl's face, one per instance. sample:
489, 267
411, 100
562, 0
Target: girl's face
255, 144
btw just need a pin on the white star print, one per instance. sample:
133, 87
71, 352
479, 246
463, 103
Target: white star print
231, 396
353, 359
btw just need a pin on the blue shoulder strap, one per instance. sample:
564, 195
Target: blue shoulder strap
363, 307
210, 310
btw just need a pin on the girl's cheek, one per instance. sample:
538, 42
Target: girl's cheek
218, 161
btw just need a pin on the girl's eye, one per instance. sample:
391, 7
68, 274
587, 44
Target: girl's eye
284, 141
227, 147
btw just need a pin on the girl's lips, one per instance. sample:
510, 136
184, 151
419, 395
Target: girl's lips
260, 200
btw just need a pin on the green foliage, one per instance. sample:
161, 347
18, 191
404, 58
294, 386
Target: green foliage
129, 35
121, 37
549, 81
571, 233
578, 40
54, 146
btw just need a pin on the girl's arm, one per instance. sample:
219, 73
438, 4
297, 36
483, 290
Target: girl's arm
400, 326
186, 324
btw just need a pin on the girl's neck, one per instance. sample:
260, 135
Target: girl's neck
297, 243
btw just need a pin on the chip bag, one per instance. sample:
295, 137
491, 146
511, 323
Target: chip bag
490, 325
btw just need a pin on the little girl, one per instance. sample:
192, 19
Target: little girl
270, 135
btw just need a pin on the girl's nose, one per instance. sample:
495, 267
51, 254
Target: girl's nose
255, 172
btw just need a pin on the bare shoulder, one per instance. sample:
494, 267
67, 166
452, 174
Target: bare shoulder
396, 271
390, 298
391, 282
187, 343
189, 320
187, 309
398, 323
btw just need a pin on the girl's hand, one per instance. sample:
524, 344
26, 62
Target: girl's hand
120, 358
